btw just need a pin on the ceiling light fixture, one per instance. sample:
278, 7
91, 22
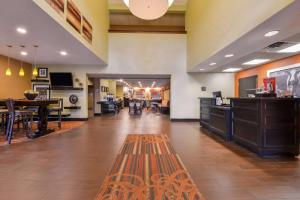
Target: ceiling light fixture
21, 72
291, 49
212, 64
35, 70
271, 33
201, 69
23, 53
256, 61
63, 53
229, 55
21, 30
232, 70
148, 9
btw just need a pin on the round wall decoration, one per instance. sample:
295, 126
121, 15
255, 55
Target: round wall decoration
73, 99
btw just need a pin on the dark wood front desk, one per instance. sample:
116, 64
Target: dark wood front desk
215, 118
266, 126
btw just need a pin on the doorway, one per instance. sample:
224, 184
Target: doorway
136, 94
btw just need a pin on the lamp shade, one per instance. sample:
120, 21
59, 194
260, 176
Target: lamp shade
8, 72
21, 72
148, 9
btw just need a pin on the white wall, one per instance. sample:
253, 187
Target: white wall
157, 54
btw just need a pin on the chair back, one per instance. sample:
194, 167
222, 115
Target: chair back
10, 104
131, 104
138, 104
59, 105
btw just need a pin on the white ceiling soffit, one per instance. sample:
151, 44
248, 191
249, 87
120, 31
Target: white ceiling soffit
42, 31
252, 45
148, 82
176, 2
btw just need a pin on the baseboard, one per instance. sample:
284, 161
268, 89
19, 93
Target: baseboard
185, 120
75, 119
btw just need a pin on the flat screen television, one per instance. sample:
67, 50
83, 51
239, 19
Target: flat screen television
61, 79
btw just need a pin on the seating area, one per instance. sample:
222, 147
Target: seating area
19, 115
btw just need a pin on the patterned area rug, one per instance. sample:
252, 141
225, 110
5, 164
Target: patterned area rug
146, 168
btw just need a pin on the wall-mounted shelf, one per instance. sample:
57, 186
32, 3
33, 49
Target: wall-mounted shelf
40, 80
72, 107
66, 88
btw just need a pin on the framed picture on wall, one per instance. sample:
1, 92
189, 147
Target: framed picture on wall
43, 89
42, 72
58, 6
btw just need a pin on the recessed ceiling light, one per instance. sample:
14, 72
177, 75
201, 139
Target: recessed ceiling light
291, 49
229, 55
21, 30
271, 33
201, 69
63, 53
212, 64
23, 53
232, 70
256, 61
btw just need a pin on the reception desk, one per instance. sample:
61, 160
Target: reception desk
217, 119
267, 126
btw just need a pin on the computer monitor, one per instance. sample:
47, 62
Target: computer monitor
217, 94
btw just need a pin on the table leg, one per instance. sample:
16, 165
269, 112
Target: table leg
42, 124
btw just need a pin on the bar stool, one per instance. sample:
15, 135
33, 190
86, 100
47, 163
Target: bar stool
25, 115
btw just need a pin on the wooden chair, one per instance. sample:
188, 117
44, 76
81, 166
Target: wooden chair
131, 107
25, 115
3, 115
57, 109
138, 108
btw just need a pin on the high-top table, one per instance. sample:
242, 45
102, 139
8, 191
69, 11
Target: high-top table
43, 113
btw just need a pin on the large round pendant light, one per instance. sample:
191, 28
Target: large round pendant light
148, 9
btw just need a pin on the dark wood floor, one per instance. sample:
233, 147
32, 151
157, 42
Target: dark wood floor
72, 166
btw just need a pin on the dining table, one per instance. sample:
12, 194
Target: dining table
43, 113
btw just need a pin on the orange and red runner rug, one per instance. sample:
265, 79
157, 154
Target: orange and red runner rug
146, 168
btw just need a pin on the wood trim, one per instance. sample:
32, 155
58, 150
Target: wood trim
145, 28
185, 120
75, 119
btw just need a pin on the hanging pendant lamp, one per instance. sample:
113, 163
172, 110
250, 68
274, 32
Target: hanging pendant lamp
148, 9
21, 72
35, 70
8, 70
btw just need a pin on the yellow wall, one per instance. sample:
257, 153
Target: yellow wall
96, 11
14, 86
213, 24
120, 92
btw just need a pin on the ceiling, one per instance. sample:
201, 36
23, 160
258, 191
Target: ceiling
252, 45
42, 31
176, 2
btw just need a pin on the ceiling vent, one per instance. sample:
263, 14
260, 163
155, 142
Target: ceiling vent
276, 47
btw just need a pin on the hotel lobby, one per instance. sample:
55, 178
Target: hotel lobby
150, 99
